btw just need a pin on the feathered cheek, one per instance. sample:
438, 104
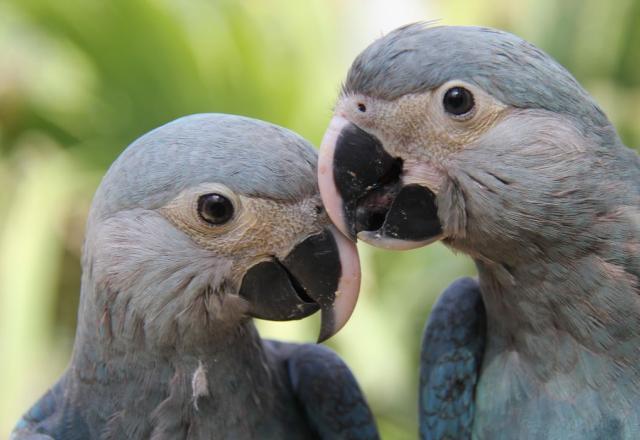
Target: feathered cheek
113, 262
452, 209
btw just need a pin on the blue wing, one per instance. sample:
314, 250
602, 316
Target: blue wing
451, 356
51, 417
329, 394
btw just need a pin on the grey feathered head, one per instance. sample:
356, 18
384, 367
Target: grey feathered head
250, 157
472, 136
417, 58
206, 221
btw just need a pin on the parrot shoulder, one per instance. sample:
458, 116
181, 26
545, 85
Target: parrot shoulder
451, 356
327, 391
51, 418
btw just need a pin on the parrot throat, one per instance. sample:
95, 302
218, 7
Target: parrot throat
147, 370
561, 344
142, 388
582, 317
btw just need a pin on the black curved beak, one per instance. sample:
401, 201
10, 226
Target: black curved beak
362, 187
321, 273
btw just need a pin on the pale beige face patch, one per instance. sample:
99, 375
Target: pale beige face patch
258, 230
417, 128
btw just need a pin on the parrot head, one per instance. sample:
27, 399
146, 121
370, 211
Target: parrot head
467, 135
211, 219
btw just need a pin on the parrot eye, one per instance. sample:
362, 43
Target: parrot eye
215, 209
458, 101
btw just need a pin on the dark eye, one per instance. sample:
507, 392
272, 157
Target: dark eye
362, 107
215, 208
458, 101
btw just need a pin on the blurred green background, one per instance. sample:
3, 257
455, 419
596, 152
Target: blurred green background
81, 80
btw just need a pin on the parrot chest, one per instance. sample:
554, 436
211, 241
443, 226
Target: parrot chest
242, 404
588, 400
561, 358
232, 395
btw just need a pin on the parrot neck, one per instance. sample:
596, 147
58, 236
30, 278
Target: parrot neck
199, 323
582, 315
239, 352
561, 345
151, 384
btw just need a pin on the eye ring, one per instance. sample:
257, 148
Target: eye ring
458, 101
215, 208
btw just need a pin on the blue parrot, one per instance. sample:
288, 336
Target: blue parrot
476, 138
198, 226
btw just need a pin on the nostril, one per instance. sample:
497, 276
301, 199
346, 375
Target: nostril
319, 209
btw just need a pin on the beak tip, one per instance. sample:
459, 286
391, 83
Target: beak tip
323, 337
328, 326
335, 317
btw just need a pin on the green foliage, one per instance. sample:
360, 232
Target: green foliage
80, 80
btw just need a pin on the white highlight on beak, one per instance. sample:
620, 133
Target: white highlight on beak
349, 284
375, 239
330, 197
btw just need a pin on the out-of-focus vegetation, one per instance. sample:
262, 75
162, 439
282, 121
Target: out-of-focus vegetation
81, 80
